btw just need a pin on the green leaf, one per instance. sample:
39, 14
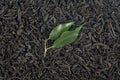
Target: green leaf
58, 30
67, 37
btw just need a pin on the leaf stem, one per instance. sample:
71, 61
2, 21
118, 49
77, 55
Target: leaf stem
46, 49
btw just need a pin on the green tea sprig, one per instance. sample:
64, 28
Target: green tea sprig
61, 36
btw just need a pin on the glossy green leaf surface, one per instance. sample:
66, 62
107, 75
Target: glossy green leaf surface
66, 38
58, 30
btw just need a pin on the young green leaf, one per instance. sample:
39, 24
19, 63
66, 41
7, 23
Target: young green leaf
62, 36
66, 38
56, 32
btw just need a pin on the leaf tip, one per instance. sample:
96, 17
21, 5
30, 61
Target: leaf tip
70, 23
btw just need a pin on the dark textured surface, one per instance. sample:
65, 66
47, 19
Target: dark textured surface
24, 25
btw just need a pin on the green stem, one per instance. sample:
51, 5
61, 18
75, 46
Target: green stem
45, 43
46, 49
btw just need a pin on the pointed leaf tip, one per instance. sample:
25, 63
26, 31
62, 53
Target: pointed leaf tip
80, 27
